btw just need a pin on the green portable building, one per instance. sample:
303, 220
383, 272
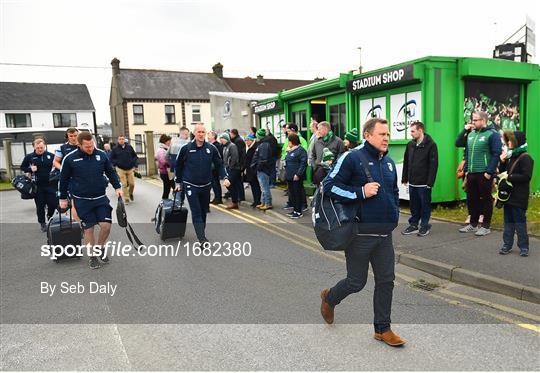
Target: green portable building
442, 92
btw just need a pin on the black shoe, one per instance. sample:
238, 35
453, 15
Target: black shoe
290, 214
504, 250
94, 262
411, 229
305, 208
104, 258
424, 231
297, 215
43, 227
524, 253
216, 202
131, 197
204, 244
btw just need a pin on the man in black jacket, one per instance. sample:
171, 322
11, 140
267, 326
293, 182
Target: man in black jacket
241, 146
124, 158
216, 185
39, 163
420, 164
231, 162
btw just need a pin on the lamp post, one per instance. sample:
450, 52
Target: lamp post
360, 55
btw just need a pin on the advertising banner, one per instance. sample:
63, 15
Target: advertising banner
499, 99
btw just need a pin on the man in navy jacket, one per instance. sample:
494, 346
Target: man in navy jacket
378, 217
194, 176
39, 163
83, 170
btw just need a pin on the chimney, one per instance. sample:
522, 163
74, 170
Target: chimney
260, 80
115, 63
218, 70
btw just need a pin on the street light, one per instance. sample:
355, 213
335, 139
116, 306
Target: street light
360, 65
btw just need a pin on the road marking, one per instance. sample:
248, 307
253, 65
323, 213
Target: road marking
270, 227
499, 307
285, 236
269, 223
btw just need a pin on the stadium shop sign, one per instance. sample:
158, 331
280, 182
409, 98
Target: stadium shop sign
381, 79
269, 106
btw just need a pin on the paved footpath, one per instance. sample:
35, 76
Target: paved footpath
462, 257
252, 312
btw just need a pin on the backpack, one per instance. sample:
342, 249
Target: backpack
335, 223
26, 186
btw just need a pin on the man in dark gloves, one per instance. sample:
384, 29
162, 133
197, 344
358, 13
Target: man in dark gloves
378, 217
39, 163
420, 164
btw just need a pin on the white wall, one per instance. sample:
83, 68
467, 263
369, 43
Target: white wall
42, 119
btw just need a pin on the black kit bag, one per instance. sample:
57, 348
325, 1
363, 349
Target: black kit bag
121, 216
335, 223
64, 231
25, 185
171, 218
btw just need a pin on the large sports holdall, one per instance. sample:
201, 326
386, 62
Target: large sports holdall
65, 232
25, 185
171, 218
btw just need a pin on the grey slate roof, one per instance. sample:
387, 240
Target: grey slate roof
158, 84
44, 96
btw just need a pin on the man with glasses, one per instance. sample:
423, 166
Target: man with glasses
482, 153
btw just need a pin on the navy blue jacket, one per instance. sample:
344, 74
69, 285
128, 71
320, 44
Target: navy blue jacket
65, 149
124, 157
263, 159
378, 214
295, 163
194, 164
84, 174
44, 165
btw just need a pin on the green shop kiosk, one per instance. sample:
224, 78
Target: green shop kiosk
442, 92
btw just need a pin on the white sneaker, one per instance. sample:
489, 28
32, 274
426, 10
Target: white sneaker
468, 228
482, 231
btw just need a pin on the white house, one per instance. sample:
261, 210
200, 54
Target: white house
45, 106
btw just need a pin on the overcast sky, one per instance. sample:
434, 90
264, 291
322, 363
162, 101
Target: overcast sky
279, 39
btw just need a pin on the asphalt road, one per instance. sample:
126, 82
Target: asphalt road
256, 312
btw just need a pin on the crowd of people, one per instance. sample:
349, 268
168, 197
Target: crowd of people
258, 160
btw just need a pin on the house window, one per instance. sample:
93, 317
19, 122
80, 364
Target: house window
65, 120
138, 114
196, 113
18, 120
170, 117
138, 144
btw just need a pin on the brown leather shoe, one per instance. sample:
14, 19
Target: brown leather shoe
327, 311
232, 206
390, 338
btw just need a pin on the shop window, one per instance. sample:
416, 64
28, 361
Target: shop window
170, 117
18, 120
338, 119
299, 118
404, 109
65, 120
138, 114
